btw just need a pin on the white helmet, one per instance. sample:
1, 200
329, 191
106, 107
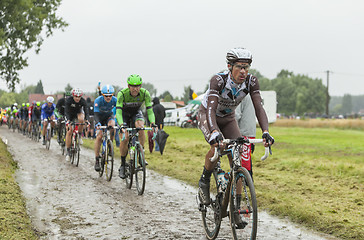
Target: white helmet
239, 55
50, 99
77, 92
15, 104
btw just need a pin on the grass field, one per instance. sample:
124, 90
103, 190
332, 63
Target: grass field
315, 175
14, 221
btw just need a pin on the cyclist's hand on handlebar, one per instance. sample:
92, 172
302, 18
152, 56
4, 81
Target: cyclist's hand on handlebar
98, 125
123, 127
155, 127
269, 140
215, 137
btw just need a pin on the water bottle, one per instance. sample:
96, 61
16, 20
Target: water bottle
131, 152
103, 146
220, 180
225, 181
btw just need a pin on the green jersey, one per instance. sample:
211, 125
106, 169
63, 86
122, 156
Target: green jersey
126, 102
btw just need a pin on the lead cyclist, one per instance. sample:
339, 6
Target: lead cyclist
216, 116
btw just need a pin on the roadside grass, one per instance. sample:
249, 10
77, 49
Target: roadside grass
14, 220
315, 176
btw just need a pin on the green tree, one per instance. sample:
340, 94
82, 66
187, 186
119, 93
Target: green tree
347, 104
21, 25
39, 87
150, 88
163, 95
186, 94
68, 88
168, 98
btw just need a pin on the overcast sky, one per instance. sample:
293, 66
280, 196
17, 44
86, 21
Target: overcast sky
176, 43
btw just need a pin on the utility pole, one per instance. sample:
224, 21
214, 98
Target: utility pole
327, 93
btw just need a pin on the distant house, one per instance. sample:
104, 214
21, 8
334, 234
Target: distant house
43, 97
179, 103
38, 97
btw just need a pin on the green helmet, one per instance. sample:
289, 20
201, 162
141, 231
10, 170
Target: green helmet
134, 80
23, 104
27, 104
38, 104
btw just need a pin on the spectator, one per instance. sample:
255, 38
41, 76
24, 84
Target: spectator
160, 114
245, 116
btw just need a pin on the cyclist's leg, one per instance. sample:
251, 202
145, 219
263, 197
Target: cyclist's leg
111, 123
127, 118
204, 182
138, 119
45, 124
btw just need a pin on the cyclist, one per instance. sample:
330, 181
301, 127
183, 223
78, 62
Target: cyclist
59, 111
90, 129
75, 108
35, 114
103, 114
22, 114
216, 117
128, 113
48, 113
13, 113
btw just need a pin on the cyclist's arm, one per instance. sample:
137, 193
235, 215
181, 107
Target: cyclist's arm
85, 108
43, 115
148, 106
257, 102
216, 83
119, 106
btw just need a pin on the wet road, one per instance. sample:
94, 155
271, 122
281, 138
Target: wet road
69, 202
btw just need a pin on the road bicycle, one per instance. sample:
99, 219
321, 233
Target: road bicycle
75, 144
107, 153
49, 133
62, 135
244, 219
136, 165
35, 132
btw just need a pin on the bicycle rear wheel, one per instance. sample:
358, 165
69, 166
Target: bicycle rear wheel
243, 220
211, 214
140, 171
109, 160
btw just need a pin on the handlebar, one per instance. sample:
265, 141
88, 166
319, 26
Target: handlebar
241, 141
131, 129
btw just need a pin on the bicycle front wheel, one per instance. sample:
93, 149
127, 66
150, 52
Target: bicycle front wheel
243, 218
140, 171
48, 138
129, 171
211, 214
109, 160
77, 150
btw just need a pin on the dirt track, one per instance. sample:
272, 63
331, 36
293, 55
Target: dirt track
68, 202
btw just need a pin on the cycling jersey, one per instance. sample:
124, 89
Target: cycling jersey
103, 109
47, 111
36, 113
128, 104
73, 108
60, 106
222, 98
